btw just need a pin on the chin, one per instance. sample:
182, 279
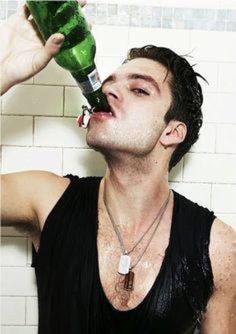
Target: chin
98, 141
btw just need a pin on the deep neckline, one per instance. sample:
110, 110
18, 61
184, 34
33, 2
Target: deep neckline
157, 279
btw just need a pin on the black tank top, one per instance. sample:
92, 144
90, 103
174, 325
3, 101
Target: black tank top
70, 295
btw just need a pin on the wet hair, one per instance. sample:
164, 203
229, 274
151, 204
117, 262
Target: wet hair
186, 93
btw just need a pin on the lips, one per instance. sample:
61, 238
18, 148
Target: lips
110, 113
101, 115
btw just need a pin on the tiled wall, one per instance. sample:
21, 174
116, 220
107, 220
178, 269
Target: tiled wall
39, 130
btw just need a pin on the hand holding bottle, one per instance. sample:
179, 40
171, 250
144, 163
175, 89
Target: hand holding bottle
23, 53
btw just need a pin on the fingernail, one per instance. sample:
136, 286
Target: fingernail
58, 39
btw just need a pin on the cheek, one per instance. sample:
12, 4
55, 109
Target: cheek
149, 116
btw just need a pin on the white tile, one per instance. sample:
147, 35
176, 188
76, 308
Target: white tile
205, 45
31, 310
83, 162
107, 65
227, 218
229, 4
223, 198
29, 252
7, 231
17, 130
53, 74
74, 100
14, 251
219, 108
140, 36
111, 41
18, 281
176, 173
227, 77
225, 138
13, 310
216, 168
31, 158
178, 40
58, 132
210, 72
196, 192
19, 330
33, 100
206, 141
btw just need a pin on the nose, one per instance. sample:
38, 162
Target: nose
112, 91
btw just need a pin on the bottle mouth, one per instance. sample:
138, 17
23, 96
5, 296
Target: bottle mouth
108, 110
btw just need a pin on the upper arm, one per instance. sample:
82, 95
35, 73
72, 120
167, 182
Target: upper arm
220, 317
27, 197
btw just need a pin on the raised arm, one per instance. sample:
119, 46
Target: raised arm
28, 197
22, 52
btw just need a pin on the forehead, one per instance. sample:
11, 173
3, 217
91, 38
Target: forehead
147, 67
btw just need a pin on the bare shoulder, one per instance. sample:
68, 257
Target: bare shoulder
29, 196
50, 188
220, 313
222, 251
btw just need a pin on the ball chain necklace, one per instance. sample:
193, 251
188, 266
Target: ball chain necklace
125, 267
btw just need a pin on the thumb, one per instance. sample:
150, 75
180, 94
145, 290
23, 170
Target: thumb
53, 44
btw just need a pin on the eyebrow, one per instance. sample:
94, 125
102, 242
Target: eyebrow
135, 76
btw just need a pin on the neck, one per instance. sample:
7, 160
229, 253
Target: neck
135, 189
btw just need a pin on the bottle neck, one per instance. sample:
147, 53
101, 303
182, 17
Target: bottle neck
90, 84
97, 100
87, 79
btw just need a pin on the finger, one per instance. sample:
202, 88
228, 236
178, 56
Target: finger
82, 3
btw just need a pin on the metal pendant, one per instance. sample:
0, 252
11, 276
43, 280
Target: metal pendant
129, 281
124, 264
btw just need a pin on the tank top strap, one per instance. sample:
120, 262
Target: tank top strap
79, 191
192, 228
191, 239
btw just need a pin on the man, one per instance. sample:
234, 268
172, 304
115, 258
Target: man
123, 253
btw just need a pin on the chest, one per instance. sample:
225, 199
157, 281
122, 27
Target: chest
147, 265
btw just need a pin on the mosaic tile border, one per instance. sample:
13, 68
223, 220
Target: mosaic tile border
148, 16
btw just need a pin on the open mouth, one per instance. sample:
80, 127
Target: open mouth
104, 114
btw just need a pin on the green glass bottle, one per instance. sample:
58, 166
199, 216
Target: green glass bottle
78, 50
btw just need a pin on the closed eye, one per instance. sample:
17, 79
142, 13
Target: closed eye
140, 91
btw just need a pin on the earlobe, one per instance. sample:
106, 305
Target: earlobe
173, 134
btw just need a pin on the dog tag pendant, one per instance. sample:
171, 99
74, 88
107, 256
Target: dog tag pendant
124, 264
129, 281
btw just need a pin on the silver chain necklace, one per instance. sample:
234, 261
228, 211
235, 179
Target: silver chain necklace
125, 267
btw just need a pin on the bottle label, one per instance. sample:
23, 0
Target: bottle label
92, 84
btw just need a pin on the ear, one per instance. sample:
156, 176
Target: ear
174, 134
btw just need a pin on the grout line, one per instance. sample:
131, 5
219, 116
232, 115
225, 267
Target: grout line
25, 309
64, 101
33, 130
